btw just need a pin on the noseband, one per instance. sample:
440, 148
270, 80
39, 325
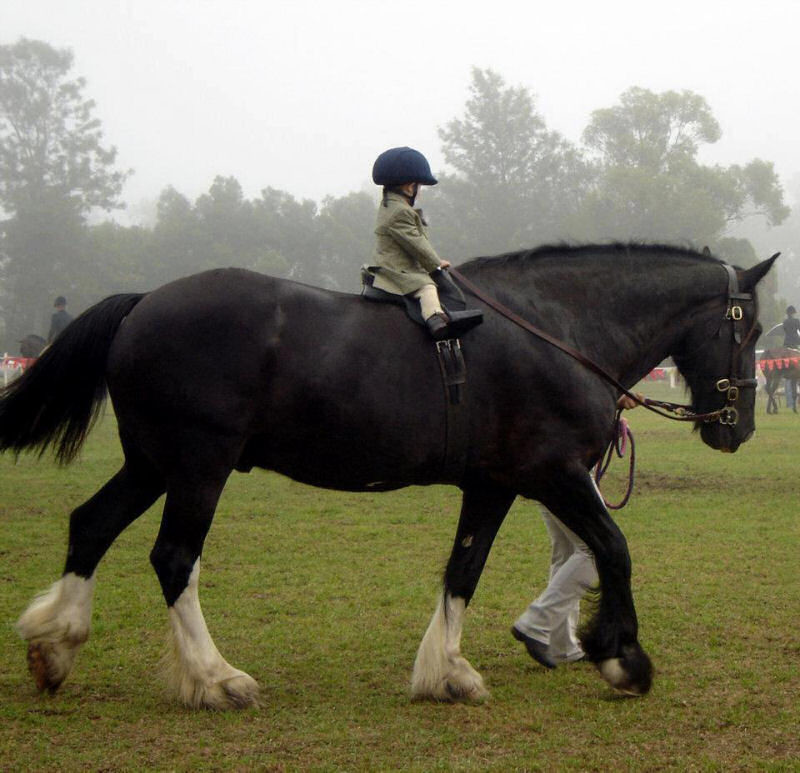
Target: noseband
731, 386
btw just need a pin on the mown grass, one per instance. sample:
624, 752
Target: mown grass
323, 597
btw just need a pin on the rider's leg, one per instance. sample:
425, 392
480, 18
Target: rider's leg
431, 308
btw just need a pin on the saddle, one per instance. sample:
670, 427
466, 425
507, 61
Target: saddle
450, 357
450, 296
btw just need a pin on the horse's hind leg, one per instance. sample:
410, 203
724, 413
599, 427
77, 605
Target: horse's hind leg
610, 640
196, 671
57, 623
440, 670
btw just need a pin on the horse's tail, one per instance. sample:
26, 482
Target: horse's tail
57, 400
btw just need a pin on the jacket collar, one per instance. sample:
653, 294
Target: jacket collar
392, 196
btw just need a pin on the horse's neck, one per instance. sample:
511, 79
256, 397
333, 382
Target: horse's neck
627, 320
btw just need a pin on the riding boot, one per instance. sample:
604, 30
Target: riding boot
437, 325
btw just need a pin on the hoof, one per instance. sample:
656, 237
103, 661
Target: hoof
536, 649
241, 692
236, 692
630, 674
460, 683
41, 665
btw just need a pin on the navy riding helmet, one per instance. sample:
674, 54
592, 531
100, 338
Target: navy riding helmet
398, 166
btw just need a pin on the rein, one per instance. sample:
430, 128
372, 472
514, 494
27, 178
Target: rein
725, 415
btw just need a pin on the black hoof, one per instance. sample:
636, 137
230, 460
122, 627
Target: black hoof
536, 649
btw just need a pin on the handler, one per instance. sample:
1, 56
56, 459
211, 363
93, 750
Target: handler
549, 626
404, 258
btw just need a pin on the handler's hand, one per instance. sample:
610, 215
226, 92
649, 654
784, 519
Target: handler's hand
627, 403
444, 264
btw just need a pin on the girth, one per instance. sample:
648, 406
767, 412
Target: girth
454, 380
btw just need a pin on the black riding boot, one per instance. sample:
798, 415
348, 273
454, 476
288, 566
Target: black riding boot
437, 326
453, 324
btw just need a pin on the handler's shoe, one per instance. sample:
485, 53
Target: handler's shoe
536, 649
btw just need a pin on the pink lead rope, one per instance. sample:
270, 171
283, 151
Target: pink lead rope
618, 445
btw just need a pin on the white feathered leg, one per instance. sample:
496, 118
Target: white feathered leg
440, 671
197, 672
55, 626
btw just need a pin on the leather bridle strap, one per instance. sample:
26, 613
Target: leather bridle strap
683, 412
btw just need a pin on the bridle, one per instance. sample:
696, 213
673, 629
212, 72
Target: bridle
731, 386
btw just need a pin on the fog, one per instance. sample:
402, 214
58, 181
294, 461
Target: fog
302, 95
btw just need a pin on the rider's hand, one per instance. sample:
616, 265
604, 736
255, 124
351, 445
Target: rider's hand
626, 402
444, 264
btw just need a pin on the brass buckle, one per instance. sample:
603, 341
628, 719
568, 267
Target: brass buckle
729, 416
735, 313
724, 385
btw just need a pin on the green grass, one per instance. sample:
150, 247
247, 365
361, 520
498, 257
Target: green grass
323, 597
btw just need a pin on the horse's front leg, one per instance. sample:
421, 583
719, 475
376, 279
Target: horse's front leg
610, 638
440, 670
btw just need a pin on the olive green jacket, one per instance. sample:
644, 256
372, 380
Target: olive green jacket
403, 257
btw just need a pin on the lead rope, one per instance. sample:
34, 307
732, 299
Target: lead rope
618, 444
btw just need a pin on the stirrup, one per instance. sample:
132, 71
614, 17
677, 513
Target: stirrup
463, 321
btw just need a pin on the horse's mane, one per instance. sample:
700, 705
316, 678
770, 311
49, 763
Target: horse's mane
568, 250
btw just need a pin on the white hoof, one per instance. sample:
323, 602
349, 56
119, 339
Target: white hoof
441, 673
456, 680
55, 626
239, 691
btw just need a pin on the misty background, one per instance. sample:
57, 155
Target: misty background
141, 141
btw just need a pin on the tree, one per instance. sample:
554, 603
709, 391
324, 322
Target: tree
53, 170
290, 229
650, 184
347, 239
515, 182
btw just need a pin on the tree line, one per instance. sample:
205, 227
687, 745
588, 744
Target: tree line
511, 183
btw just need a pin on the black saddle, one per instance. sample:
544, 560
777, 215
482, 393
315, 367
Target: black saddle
450, 296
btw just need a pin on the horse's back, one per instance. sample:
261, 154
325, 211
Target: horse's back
305, 379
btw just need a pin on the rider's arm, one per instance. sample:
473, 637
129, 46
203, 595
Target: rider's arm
405, 230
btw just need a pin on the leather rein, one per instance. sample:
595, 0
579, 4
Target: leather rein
728, 414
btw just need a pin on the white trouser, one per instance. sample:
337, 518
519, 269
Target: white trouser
552, 618
429, 304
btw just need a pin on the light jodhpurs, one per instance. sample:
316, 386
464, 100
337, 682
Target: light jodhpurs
428, 297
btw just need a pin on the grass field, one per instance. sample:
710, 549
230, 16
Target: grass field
323, 597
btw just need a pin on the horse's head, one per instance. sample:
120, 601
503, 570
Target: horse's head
718, 361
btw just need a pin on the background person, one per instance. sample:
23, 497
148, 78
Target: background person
791, 340
60, 319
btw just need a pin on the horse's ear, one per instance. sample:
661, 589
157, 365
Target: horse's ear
750, 278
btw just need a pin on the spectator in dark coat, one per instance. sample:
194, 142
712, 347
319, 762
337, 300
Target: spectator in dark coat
59, 320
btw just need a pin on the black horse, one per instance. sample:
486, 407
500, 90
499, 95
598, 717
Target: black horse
32, 345
338, 392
